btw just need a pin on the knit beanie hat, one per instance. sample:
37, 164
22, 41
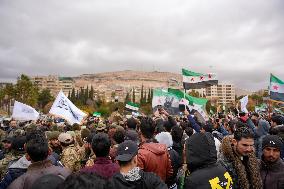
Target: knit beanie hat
272, 141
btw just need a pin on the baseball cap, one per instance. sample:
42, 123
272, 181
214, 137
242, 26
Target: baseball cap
126, 150
65, 138
272, 141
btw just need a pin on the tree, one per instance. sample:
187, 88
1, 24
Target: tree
9, 92
127, 98
73, 95
45, 97
142, 94
69, 95
149, 100
113, 94
256, 98
25, 91
2, 95
86, 95
144, 100
91, 93
133, 95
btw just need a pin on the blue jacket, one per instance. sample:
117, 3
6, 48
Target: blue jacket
195, 126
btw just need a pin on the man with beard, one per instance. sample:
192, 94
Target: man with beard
53, 142
272, 167
239, 159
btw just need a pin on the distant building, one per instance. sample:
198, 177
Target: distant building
224, 94
4, 84
54, 83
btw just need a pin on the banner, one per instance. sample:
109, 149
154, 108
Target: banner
24, 112
244, 102
64, 108
171, 99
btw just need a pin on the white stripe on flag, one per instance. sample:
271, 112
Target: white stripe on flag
131, 107
197, 79
276, 87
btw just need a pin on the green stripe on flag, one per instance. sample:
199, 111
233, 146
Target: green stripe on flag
133, 104
192, 100
274, 79
190, 73
97, 114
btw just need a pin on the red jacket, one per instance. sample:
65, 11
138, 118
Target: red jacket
154, 157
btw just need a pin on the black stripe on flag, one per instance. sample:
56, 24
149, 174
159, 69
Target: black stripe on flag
277, 96
200, 85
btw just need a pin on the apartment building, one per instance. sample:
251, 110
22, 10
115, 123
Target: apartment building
54, 83
223, 94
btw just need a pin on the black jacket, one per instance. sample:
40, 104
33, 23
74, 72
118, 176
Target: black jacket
201, 158
176, 162
272, 175
147, 181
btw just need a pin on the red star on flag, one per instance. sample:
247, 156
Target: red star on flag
201, 77
275, 87
209, 76
192, 79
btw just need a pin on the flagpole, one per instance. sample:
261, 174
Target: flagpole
269, 108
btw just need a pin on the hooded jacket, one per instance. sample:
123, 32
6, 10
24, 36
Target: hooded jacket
144, 180
201, 158
154, 157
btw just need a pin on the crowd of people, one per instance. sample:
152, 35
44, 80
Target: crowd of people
243, 151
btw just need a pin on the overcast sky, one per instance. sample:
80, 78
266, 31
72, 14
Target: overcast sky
241, 40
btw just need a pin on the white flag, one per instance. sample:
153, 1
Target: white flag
24, 112
244, 102
64, 108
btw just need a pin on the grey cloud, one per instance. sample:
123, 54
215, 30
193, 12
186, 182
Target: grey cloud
242, 41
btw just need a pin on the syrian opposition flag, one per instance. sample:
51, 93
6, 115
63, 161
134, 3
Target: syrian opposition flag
24, 112
276, 89
132, 106
193, 80
63, 107
171, 99
261, 108
97, 114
